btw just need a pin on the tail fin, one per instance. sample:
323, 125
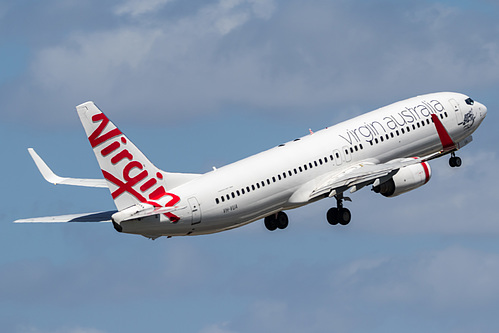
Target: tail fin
130, 176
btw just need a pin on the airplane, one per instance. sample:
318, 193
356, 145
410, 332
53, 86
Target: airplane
387, 149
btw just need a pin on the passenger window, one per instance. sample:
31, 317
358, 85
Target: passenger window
223, 200
217, 201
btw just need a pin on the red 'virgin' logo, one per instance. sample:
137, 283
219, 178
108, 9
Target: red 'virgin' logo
117, 153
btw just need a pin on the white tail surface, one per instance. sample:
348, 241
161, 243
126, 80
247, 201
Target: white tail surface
130, 176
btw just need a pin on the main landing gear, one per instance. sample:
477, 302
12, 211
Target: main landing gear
339, 214
455, 161
277, 220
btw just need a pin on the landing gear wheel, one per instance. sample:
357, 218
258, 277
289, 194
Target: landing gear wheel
339, 214
270, 223
344, 216
282, 220
455, 161
274, 221
332, 216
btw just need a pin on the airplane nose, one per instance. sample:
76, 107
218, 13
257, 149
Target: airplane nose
482, 109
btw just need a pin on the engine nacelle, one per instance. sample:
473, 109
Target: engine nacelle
406, 179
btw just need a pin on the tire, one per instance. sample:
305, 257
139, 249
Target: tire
270, 223
332, 216
457, 162
282, 220
344, 216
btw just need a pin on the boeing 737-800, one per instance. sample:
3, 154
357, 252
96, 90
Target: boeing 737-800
387, 149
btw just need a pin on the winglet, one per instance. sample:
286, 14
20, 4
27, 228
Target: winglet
51, 177
445, 139
44, 169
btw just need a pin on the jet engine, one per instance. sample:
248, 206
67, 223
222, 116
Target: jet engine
406, 179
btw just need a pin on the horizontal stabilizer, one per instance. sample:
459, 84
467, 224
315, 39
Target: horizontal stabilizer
87, 217
51, 177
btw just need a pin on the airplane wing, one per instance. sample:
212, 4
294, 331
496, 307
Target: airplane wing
360, 175
367, 173
51, 177
87, 217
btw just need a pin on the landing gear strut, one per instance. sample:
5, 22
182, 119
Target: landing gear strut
454, 161
278, 220
339, 214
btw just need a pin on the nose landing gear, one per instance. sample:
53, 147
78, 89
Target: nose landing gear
455, 161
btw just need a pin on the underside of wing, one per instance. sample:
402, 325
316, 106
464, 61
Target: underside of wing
360, 175
86, 217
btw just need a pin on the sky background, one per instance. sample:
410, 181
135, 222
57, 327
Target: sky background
197, 84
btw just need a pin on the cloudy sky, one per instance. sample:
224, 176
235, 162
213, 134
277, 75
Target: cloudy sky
197, 84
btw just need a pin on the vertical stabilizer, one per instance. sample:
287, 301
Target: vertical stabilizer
130, 176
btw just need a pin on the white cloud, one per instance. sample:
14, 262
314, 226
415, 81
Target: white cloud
444, 280
139, 7
252, 53
217, 328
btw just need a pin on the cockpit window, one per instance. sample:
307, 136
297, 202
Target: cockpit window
469, 101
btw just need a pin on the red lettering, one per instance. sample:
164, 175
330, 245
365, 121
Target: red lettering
122, 187
157, 193
150, 183
109, 149
96, 138
121, 155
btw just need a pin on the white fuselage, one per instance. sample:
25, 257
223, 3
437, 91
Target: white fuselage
283, 177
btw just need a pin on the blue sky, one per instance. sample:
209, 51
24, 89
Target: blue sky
204, 83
